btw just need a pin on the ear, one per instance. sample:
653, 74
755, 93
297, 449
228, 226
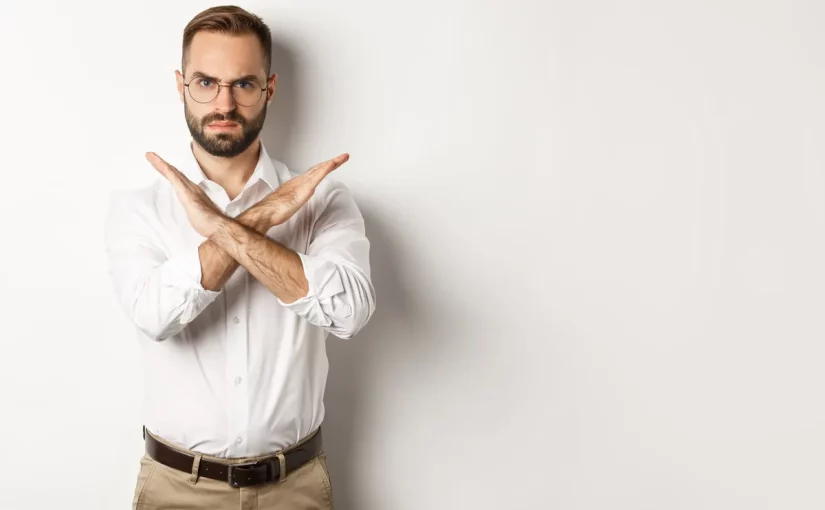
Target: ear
271, 85
179, 80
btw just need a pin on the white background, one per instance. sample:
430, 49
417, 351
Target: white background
596, 242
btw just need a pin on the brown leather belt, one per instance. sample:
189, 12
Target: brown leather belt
237, 475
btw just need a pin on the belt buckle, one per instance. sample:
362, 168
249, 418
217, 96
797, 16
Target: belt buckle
255, 467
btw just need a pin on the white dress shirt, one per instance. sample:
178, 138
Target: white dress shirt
237, 372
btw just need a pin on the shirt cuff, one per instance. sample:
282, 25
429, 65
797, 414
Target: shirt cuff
184, 272
324, 284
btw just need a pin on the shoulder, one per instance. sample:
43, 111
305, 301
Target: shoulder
134, 210
155, 191
134, 199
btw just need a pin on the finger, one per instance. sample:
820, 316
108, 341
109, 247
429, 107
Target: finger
328, 166
309, 180
171, 173
340, 160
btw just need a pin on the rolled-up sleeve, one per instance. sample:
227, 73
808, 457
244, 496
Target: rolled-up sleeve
341, 297
160, 295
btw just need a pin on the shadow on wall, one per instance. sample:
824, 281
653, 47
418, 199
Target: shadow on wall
356, 365
282, 119
352, 362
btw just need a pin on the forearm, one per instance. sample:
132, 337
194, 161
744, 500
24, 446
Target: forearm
216, 264
277, 267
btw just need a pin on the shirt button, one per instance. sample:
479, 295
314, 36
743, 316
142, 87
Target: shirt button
239, 440
237, 380
236, 320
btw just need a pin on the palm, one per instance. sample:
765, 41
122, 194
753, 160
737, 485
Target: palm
200, 210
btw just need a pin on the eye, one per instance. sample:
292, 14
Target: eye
243, 84
205, 82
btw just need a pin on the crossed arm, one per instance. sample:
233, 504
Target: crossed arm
242, 242
329, 286
271, 263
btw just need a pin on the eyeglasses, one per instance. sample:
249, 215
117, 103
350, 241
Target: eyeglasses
245, 92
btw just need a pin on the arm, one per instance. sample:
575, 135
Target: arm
330, 285
271, 263
161, 295
334, 292
216, 265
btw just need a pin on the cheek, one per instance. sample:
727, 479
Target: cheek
248, 114
254, 114
198, 112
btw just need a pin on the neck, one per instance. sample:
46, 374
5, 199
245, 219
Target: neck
230, 173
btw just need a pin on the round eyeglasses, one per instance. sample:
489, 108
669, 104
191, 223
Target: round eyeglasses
245, 92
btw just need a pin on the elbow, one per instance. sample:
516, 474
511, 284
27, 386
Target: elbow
344, 332
160, 311
342, 313
348, 328
343, 335
154, 327
345, 328
161, 336
160, 319
155, 332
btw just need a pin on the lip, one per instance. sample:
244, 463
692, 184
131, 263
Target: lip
223, 124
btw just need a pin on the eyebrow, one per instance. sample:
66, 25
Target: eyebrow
248, 77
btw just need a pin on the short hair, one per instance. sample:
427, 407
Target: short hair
229, 20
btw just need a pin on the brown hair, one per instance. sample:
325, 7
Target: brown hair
230, 20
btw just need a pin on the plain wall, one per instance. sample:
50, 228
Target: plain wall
596, 243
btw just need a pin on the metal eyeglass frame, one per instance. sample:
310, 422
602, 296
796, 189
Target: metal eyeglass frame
230, 85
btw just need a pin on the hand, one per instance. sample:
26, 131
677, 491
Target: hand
203, 214
284, 202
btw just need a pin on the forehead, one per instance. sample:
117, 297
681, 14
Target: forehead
225, 56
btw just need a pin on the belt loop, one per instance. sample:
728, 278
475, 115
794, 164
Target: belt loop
193, 478
282, 461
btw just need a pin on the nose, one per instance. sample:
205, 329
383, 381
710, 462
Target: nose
225, 102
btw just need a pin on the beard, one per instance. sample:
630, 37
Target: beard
225, 145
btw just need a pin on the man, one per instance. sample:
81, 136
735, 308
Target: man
234, 270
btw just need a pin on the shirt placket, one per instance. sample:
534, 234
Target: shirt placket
237, 354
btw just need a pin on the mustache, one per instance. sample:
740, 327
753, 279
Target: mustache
223, 117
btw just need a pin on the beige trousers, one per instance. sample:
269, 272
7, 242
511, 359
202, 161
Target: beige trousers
160, 487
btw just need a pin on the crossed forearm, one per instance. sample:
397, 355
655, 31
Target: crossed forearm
241, 241
274, 265
217, 265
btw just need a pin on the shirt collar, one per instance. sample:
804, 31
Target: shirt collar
264, 170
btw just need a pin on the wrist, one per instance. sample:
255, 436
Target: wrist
220, 226
256, 218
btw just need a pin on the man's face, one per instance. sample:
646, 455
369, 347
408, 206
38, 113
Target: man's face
223, 127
